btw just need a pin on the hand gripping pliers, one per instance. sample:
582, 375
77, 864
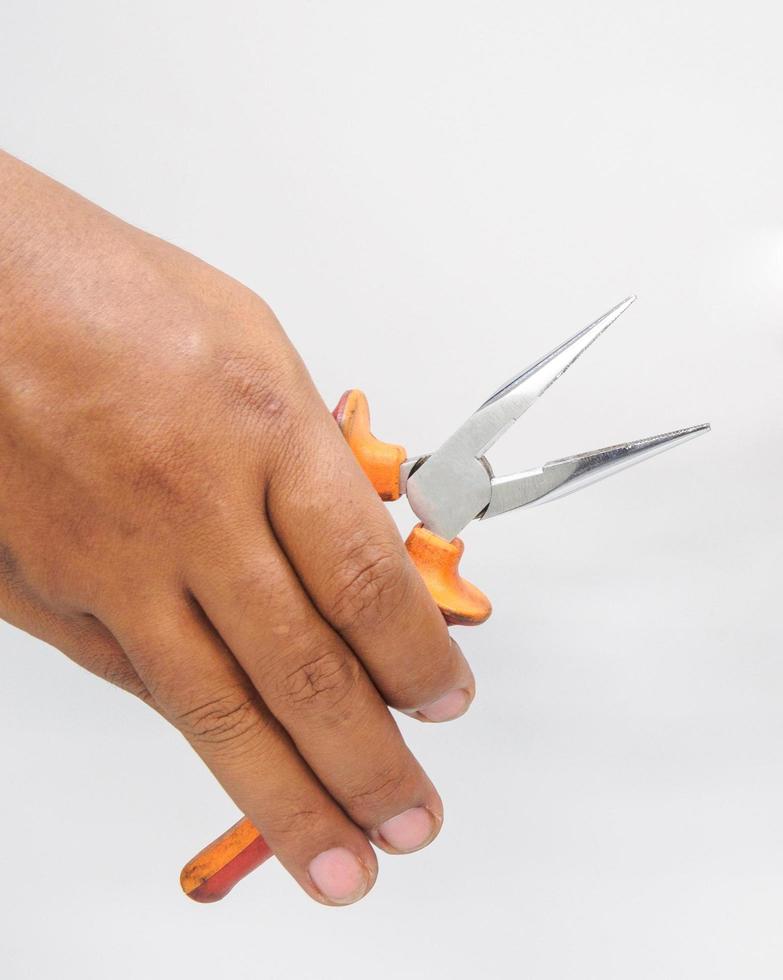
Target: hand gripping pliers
447, 490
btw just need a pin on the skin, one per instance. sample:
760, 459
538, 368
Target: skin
180, 515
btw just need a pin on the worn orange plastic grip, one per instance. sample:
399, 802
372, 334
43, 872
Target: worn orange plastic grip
381, 461
437, 561
214, 871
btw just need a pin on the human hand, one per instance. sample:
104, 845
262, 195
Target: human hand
180, 515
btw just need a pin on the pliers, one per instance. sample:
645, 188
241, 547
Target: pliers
447, 489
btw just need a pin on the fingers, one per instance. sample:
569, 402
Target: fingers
202, 690
349, 556
315, 687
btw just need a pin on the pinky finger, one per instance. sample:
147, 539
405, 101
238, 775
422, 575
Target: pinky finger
202, 690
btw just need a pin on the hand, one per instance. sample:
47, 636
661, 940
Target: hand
180, 515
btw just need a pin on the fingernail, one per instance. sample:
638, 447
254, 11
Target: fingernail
339, 875
451, 705
410, 830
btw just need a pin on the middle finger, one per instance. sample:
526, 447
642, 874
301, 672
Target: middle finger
314, 685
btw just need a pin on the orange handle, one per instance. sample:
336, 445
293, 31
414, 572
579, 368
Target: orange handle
214, 871
437, 561
381, 461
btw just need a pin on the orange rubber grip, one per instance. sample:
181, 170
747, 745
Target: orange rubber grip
381, 461
437, 561
214, 871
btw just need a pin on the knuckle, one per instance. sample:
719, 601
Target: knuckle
229, 720
255, 388
120, 673
322, 683
369, 586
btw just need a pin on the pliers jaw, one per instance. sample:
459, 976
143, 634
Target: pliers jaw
450, 490
455, 485
564, 476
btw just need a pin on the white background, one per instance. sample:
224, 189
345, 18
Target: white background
431, 195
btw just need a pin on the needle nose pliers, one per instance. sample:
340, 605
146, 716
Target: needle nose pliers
447, 489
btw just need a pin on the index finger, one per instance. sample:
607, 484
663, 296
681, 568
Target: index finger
353, 563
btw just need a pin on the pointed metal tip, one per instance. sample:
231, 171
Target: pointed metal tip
523, 389
644, 448
616, 311
564, 476
670, 439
